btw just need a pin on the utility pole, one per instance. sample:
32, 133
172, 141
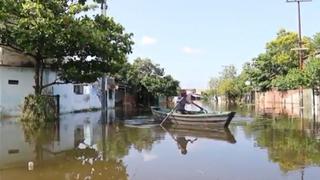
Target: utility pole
105, 123
300, 49
103, 80
104, 7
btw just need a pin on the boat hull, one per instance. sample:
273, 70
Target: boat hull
218, 119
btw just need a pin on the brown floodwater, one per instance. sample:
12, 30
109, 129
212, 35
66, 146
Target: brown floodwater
86, 146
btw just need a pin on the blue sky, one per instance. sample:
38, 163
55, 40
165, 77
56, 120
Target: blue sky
193, 40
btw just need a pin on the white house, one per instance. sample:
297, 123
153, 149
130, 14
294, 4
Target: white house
16, 82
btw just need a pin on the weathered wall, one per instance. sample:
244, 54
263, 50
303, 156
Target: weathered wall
12, 95
18, 67
9, 57
70, 102
286, 102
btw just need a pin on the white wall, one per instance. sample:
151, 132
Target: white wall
70, 102
111, 101
12, 96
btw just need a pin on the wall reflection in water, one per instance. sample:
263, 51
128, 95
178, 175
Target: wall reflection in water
78, 146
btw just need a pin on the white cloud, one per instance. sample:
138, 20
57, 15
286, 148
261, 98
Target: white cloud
147, 40
189, 50
148, 157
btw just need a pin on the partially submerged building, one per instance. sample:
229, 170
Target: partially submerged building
17, 81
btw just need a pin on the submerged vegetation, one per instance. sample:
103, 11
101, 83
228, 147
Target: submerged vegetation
39, 109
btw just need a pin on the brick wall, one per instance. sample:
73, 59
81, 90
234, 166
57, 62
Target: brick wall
285, 102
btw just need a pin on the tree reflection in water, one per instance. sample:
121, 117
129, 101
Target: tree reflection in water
288, 142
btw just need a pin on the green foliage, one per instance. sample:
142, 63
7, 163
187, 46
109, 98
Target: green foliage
228, 84
38, 108
144, 75
316, 41
292, 80
277, 67
38, 112
80, 48
312, 72
227, 87
229, 72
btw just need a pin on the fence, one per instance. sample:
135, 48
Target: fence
287, 102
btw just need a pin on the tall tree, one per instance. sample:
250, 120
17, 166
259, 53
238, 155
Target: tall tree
149, 80
278, 59
54, 32
228, 72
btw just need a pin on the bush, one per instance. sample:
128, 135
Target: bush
39, 109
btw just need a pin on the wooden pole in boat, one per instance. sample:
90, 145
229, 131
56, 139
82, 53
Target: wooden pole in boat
201, 108
170, 113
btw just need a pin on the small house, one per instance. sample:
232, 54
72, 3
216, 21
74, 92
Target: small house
16, 82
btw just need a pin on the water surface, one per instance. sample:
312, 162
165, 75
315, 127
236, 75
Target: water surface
84, 146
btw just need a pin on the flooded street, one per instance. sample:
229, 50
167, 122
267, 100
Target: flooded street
83, 146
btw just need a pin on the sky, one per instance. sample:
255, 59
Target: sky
193, 40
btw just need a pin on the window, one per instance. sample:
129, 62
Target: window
13, 82
78, 89
110, 94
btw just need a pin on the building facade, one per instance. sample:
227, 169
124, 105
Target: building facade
17, 81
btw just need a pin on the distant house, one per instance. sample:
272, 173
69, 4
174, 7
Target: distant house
16, 82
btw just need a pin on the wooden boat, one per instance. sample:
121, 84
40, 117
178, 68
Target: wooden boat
193, 118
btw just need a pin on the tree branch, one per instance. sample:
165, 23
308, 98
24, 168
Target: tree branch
53, 83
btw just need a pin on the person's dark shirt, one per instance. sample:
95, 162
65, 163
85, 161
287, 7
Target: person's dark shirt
181, 104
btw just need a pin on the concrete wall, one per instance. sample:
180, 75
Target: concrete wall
70, 102
18, 67
286, 102
110, 92
9, 57
12, 95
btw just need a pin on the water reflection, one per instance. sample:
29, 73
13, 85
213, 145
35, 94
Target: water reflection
98, 145
184, 134
290, 142
78, 146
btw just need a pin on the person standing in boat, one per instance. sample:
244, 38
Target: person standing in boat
183, 100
